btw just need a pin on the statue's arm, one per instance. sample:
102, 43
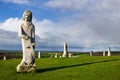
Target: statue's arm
21, 33
33, 36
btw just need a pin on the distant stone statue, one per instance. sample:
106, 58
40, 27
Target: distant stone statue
65, 53
91, 53
56, 55
27, 35
39, 54
109, 51
103, 53
70, 55
4, 58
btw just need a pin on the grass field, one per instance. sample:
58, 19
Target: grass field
78, 68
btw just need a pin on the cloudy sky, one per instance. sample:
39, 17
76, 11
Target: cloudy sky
83, 24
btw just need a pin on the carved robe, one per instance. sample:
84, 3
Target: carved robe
27, 34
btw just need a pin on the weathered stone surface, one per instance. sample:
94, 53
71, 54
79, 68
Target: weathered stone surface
27, 35
109, 51
25, 68
103, 53
91, 53
65, 53
56, 55
39, 54
70, 55
4, 58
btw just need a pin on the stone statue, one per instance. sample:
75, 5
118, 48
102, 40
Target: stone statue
27, 35
65, 53
109, 51
91, 53
103, 53
39, 54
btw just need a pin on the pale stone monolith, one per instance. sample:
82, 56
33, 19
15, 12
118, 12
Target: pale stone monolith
109, 51
4, 58
51, 56
91, 53
56, 55
103, 53
60, 56
27, 35
39, 54
70, 55
65, 53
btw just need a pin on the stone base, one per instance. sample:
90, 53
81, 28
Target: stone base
64, 55
25, 68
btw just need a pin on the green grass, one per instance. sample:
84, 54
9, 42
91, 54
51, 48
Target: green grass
79, 68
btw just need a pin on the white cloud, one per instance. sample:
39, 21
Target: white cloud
84, 5
66, 4
53, 33
96, 24
78, 30
104, 5
11, 24
43, 26
75, 33
17, 1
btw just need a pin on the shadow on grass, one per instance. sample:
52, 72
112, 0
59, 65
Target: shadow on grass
62, 67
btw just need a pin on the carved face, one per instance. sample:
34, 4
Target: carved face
27, 16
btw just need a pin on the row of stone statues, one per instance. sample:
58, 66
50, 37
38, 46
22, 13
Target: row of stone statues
104, 52
27, 35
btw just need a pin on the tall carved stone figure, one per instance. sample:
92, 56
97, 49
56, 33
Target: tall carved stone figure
65, 53
27, 35
109, 51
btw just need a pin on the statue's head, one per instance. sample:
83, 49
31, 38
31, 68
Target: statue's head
27, 16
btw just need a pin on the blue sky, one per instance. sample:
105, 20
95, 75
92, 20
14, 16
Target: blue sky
84, 24
16, 9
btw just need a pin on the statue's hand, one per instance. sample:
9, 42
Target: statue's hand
33, 44
26, 37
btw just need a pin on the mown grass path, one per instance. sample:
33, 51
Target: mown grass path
79, 68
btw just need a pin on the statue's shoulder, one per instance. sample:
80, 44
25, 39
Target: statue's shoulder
22, 25
32, 25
